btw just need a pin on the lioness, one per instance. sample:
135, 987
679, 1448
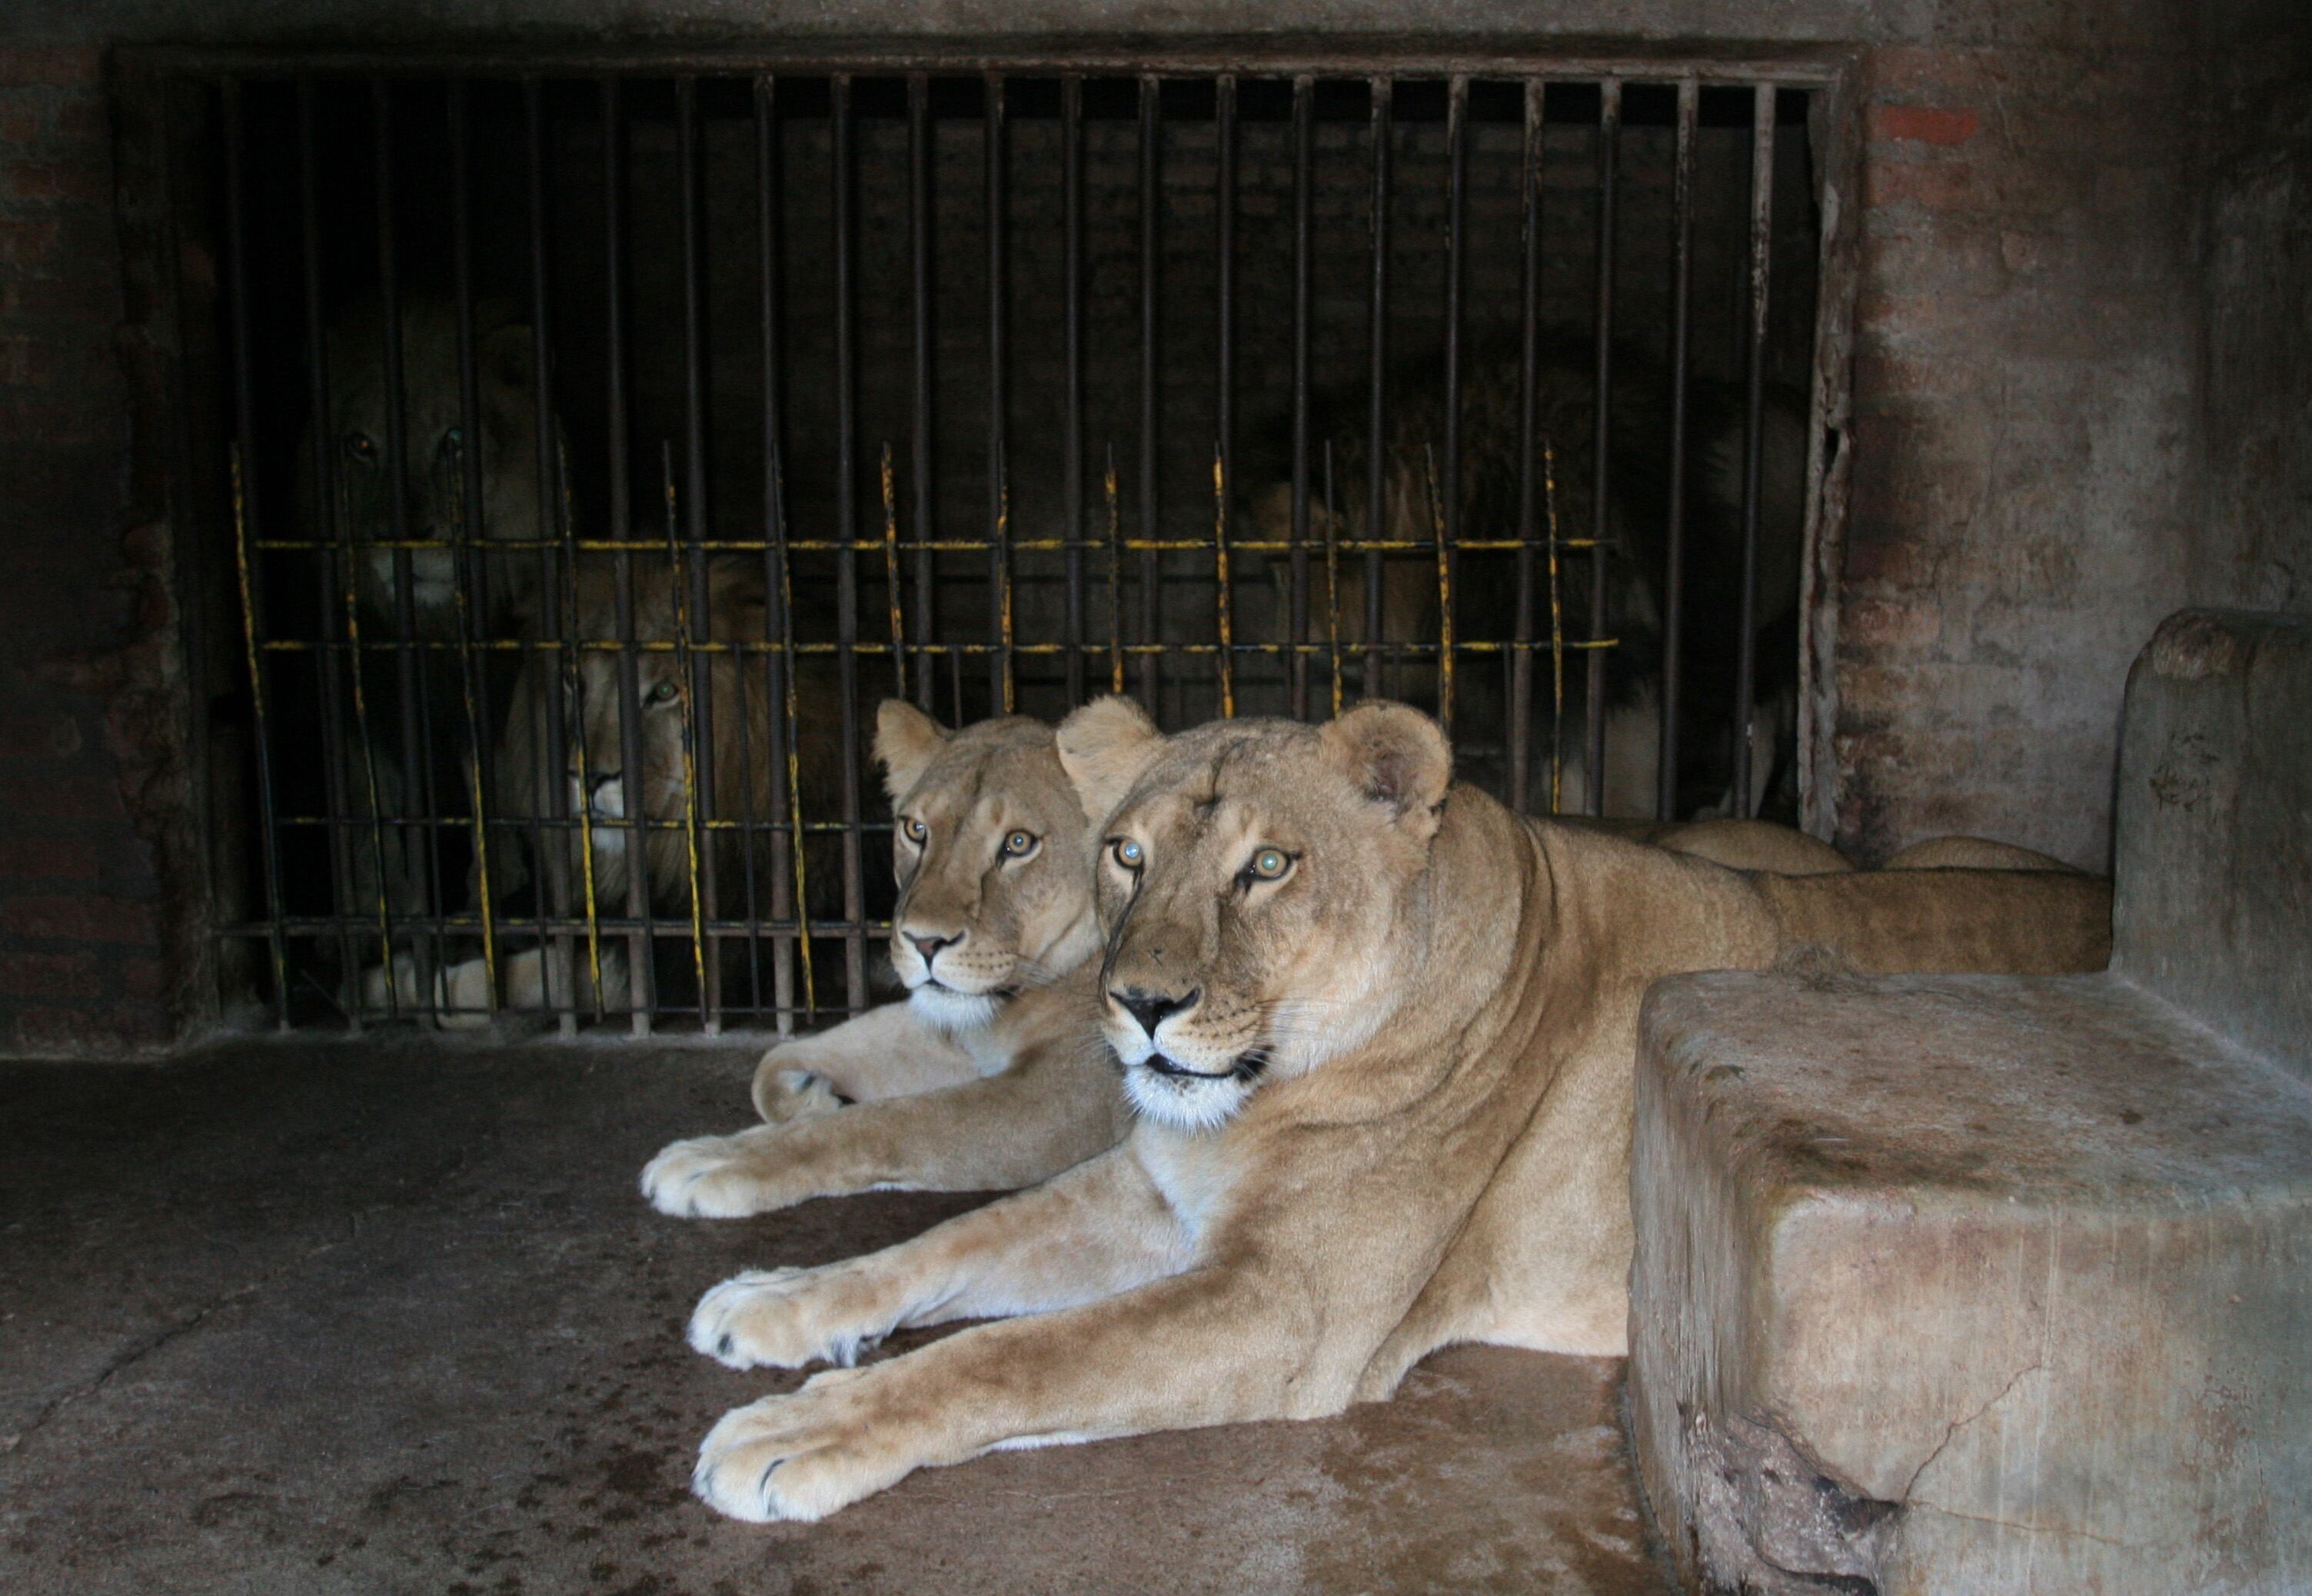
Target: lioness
992, 1073
728, 772
1380, 1046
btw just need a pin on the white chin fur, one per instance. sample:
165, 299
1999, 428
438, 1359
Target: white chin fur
1185, 1102
947, 1009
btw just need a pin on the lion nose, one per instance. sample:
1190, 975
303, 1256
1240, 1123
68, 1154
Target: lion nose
929, 946
1151, 1009
610, 792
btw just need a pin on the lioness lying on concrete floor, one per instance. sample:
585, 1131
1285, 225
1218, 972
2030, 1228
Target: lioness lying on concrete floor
992, 1074
1380, 1046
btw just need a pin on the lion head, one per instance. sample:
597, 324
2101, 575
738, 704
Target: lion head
1255, 881
435, 445
988, 843
714, 748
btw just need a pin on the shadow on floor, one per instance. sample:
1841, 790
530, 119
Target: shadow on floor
389, 1316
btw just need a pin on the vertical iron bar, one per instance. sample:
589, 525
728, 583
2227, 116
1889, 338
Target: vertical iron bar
1072, 444
557, 564
1689, 99
778, 661
891, 487
919, 242
700, 666
1224, 477
1754, 430
641, 944
243, 508
1332, 579
1520, 726
1151, 201
1449, 530
1445, 492
999, 556
684, 684
469, 586
1297, 607
846, 520
1377, 527
1609, 131
324, 534
413, 661
1115, 578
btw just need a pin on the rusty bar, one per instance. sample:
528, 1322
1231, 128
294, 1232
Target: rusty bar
1151, 223
1446, 519
642, 981
1557, 633
1115, 578
685, 692
1601, 529
1689, 100
697, 671
1072, 440
1444, 552
1332, 579
1754, 431
1225, 361
1377, 438
786, 834
469, 585
1297, 606
889, 483
999, 663
416, 708
1521, 684
843, 177
325, 501
245, 424
919, 246
558, 563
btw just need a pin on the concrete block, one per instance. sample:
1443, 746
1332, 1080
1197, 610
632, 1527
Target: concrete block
1985, 1284
2212, 905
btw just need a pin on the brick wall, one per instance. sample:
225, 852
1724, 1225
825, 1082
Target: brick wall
86, 619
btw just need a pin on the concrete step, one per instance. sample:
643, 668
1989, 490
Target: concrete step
1979, 1284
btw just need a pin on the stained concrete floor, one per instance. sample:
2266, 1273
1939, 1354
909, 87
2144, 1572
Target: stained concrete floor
389, 1316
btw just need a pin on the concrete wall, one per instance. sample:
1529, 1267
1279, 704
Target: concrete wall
2078, 404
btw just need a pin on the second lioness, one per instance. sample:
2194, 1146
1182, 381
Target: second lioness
992, 1074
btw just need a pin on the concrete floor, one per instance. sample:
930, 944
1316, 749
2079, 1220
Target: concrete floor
389, 1316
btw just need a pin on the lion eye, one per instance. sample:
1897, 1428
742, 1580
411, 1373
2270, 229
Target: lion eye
1269, 865
914, 830
359, 447
663, 693
1129, 854
1019, 845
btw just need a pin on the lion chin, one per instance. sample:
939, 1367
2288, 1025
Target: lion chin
947, 1009
1174, 1094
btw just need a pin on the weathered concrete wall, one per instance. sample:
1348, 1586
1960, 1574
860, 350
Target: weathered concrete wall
2077, 404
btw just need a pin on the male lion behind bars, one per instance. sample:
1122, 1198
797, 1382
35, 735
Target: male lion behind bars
1380, 1046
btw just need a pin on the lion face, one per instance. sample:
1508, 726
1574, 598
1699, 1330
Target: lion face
596, 757
434, 446
988, 843
1253, 882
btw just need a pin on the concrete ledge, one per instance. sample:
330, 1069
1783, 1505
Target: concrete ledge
1970, 1284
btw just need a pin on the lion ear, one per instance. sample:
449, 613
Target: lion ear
906, 741
1399, 757
1104, 747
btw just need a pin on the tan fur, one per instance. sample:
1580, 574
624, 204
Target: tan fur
1408, 1124
1970, 853
992, 1074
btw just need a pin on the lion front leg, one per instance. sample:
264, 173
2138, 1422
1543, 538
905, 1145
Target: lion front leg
1045, 1114
885, 1052
1218, 1345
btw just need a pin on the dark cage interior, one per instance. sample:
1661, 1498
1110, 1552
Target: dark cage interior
591, 454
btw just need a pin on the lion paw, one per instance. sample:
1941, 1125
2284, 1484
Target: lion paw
782, 1318
791, 1093
712, 1178
802, 1455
